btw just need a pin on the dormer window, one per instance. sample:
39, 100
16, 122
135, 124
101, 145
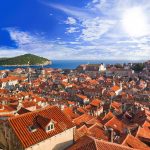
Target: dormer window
32, 128
50, 126
45, 123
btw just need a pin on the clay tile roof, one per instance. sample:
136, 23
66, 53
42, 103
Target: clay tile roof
90, 143
71, 103
81, 96
143, 133
83, 130
115, 105
21, 123
146, 124
88, 107
116, 124
93, 121
103, 145
93, 82
133, 142
22, 110
84, 143
82, 119
115, 88
97, 132
3, 91
7, 108
27, 104
42, 121
81, 110
95, 102
69, 112
108, 116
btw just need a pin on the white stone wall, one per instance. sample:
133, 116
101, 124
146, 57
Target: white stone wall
57, 142
8, 84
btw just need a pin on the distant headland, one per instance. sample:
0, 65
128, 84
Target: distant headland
25, 60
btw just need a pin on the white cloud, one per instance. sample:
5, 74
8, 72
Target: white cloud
7, 52
20, 37
71, 11
100, 34
100, 31
93, 29
31, 43
71, 21
72, 30
95, 1
101, 4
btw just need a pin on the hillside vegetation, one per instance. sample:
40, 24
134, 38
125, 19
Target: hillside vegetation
24, 60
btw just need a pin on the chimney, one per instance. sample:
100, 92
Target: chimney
114, 83
121, 85
111, 134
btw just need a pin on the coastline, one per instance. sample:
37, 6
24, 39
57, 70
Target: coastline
71, 64
26, 65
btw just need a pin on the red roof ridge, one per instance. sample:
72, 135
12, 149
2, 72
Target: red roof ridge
134, 142
21, 124
96, 124
32, 112
115, 144
90, 143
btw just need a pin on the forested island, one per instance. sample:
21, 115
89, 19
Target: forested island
25, 60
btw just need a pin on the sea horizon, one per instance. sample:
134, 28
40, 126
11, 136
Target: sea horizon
72, 64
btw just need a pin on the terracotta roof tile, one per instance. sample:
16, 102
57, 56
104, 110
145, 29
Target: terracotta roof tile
115, 105
21, 123
108, 116
115, 88
95, 102
97, 132
83, 130
143, 133
22, 110
81, 96
82, 119
146, 124
81, 110
42, 121
69, 112
133, 142
89, 143
116, 124
93, 121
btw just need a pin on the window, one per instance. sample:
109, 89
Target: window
50, 126
32, 128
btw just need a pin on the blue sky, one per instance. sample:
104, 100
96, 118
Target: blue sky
76, 29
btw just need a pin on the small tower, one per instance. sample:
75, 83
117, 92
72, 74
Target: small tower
29, 72
102, 68
43, 71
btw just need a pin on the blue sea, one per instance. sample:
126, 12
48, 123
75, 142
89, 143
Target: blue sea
72, 64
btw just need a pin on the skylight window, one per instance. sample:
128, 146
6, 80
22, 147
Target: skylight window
32, 128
